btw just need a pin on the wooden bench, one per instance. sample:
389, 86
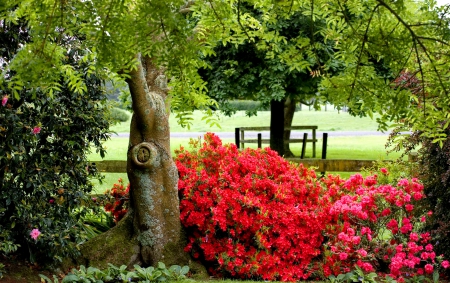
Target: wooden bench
240, 135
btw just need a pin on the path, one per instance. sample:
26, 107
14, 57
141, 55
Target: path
265, 134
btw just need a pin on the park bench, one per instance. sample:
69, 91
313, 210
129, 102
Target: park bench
241, 140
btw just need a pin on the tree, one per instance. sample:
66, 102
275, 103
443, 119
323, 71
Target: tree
374, 40
248, 71
138, 39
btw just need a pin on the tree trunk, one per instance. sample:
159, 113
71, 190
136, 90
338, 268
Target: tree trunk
289, 110
277, 126
152, 173
151, 231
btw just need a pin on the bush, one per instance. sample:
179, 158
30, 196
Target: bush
119, 115
44, 174
250, 214
117, 199
434, 162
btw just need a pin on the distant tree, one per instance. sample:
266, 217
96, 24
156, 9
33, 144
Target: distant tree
247, 71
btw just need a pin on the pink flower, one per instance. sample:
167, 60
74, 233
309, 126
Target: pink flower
429, 247
384, 171
409, 207
343, 256
35, 234
386, 212
4, 100
445, 264
36, 130
51, 201
428, 268
430, 213
362, 252
423, 219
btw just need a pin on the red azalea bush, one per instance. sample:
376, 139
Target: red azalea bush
117, 200
250, 214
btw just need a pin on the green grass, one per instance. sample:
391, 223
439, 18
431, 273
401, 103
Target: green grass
330, 120
361, 147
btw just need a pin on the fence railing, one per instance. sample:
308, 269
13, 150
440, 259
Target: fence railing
241, 140
322, 165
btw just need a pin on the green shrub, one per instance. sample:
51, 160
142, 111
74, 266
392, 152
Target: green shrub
45, 180
118, 115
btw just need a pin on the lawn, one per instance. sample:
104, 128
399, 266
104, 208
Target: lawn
338, 147
330, 120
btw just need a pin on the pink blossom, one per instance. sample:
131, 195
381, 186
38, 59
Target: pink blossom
414, 237
35, 234
445, 264
343, 256
51, 201
429, 247
362, 252
428, 268
409, 207
386, 212
384, 171
430, 213
423, 219
36, 130
4, 100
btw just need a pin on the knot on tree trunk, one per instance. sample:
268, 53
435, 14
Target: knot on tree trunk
145, 155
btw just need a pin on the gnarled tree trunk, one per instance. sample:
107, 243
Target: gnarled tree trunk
152, 173
151, 230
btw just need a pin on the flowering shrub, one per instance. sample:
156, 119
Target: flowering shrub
117, 200
375, 228
250, 214
44, 142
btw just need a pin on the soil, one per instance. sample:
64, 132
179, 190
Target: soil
18, 270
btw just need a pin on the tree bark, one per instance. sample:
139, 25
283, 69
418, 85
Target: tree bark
289, 110
151, 171
277, 126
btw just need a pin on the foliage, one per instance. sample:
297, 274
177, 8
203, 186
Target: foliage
357, 275
121, 274
96, 221
117, 201
265, 67
435, 171
392, 171
118, 115
44, 173
372, 42
2, 266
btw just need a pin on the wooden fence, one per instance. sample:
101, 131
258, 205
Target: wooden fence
322, 165
241, 140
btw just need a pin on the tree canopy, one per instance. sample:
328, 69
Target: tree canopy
399, 35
